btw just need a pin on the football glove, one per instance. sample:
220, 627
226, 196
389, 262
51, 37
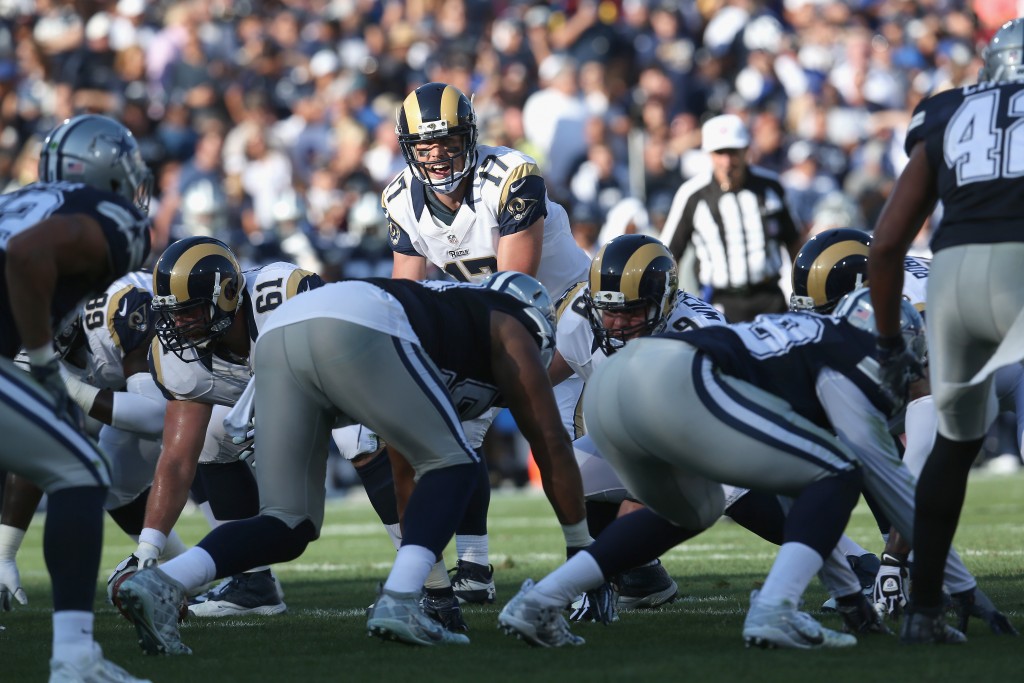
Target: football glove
890, 591
598, 605
10, 585
898, 367
248, 441
974, 603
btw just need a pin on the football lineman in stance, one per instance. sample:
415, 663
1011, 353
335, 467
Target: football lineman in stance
208, 314
783, 404
411, 361
64, 239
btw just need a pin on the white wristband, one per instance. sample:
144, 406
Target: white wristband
577, 535
40, 356
10, 540
80, 392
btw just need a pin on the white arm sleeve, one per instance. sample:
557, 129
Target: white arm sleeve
922, 423
141, 408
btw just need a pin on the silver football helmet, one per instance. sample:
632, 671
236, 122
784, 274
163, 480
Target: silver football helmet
857, 309
99, 152
1004, 54
530, 291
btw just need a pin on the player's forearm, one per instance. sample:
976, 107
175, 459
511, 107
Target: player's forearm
563, 485
171, 483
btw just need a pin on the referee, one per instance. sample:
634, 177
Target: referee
737, 219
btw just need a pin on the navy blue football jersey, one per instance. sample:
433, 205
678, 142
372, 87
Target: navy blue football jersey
124, 226
784, 354
461, 346
975, 145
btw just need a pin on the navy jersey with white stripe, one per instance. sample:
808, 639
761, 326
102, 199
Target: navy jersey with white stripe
125, 227
975, 144
460, 347
784, 354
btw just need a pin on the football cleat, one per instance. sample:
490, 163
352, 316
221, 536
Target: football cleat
599, 604
122, 571
646, 587
255, 593
398, 616
473, 583
919, 627
442, 606
541, 625
152, 601
771, 626
92, 669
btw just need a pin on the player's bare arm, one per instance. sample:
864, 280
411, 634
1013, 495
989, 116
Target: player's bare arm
185, 426
521, 251
73, 246
524, 383
911, 202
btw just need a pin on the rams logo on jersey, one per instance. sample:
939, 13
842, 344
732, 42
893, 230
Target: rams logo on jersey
394, 234
518, 207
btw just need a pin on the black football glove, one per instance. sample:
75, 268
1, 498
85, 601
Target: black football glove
898, 367
974, 603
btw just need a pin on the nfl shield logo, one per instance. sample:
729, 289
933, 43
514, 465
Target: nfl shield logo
452, 239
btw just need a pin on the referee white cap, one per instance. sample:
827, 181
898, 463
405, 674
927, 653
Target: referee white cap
724, 132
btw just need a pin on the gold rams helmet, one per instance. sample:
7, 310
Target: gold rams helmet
631, 272
198, 287
830, 265
433, 112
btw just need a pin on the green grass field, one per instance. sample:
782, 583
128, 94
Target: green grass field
322, 637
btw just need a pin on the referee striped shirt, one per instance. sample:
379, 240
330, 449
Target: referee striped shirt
737, 234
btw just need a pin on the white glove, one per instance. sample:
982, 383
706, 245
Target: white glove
10, 585
890, 592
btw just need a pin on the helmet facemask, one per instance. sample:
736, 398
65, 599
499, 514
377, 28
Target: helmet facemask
193, 325
599, 303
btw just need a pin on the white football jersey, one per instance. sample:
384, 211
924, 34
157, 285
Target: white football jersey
915, 280
574, 338
507, 196
115, 323
215, 380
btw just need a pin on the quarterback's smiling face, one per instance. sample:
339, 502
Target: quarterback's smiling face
442, 157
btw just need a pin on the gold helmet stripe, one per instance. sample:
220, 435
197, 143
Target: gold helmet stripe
188, 260
450, 106
413, 117
817, 275
636, 266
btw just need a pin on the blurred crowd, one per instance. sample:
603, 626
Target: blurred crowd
270, 124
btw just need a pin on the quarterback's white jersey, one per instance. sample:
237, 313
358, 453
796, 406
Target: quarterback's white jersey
114, 324
507, 195
575, 339
215, 380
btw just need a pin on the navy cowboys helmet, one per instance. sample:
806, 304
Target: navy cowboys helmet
631, 273
1004, 56
198, 287
99, 152
431, 112
830, 265
856, 308
530, 291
